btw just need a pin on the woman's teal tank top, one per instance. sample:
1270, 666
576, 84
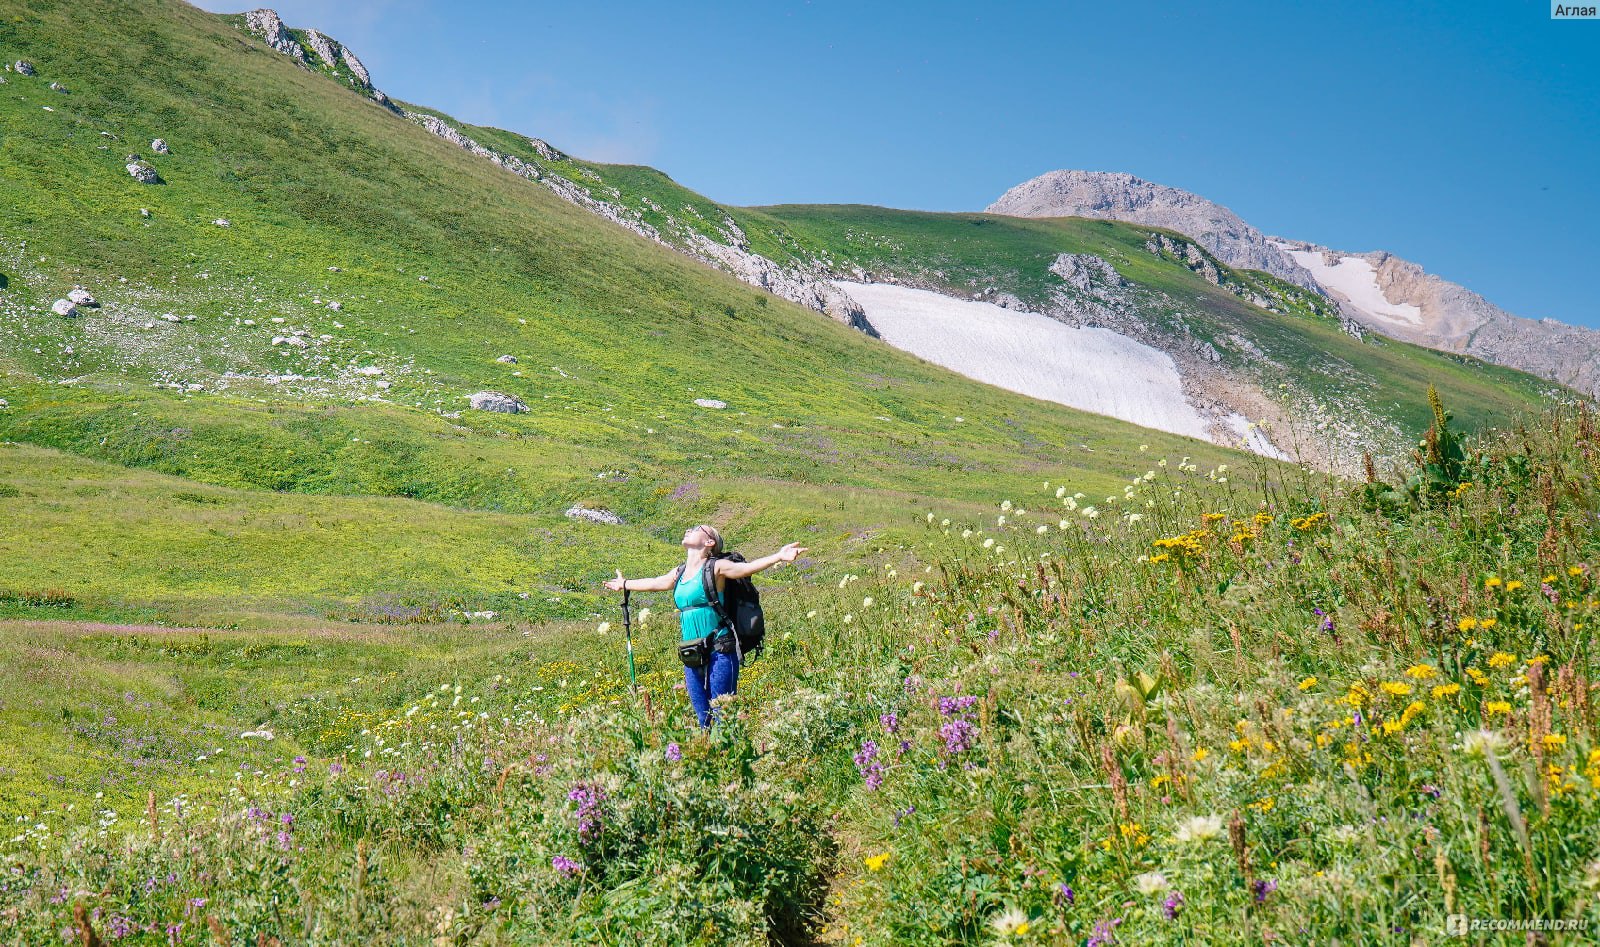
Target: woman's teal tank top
695, 612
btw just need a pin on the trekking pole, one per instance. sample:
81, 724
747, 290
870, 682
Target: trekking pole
627, 630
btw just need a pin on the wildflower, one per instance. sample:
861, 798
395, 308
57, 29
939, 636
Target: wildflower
890, 723
1010, 921
1483, 743
566, 866
1200, 828
1501, 659
673, 753
1151, 882
1478, 677
1575, 571
1395, 688
1554, 741
1421, 672
1467, 624
1488, 623
1308, 683
1497, 707
1446, 690
1172, 905
867, 602
1513, 585
847, 619
1262, 887
1065, 895
917, 587
1005, 505
988, 543
1492, 582
604, 628
1200, 754
876, 862
1104, 932
868, 765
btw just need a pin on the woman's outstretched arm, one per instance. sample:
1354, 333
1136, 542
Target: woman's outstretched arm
660, 583
738, 570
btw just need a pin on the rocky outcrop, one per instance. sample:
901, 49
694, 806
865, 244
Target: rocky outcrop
82, 297
1086, 272
23, 67
64, 307
1116, 196
1400, 299
496, 401
353, 64
267, 25
159, 146
810, 291
326, 49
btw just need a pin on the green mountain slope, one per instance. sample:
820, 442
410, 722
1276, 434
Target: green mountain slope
215, 355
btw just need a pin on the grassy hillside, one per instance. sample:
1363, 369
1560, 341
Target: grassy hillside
1313, 712
440, 264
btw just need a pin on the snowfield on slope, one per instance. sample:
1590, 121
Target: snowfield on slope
1354, 279
1089, 369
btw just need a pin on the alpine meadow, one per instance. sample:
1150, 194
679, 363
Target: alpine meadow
324, 417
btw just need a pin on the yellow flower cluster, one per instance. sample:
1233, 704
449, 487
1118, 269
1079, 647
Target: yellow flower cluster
1190, 545
1304, 524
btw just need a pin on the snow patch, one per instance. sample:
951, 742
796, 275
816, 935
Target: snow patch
1356, 280
1251, 437
1090, 369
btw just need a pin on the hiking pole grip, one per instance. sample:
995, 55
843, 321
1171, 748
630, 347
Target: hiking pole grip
627, 630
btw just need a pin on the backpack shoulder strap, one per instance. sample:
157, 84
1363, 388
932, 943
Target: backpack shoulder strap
708, 581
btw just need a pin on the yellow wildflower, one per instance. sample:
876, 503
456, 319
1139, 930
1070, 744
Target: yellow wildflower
1308, 683
1467, 624
1497, 707
1396, 688
1488, 623
1549, 578
1421, 671
1554, 741
1492, 582
1200, 754
1446, 690
1264, 805
1500, 659
1513, 585
876, 862
1539, 659
1575, 571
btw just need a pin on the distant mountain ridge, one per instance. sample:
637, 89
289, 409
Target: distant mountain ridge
1377, 289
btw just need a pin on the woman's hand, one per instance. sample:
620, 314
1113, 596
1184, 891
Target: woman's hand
790, 552
615, 585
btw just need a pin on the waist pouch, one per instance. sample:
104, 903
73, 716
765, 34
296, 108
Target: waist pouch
697, 652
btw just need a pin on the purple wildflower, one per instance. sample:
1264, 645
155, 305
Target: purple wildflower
867, 763
1065, 895
958, 736
285, 840
174, 932
1172, 905
674, 753
890, 723
120, 926
903, 814
566, 866
949, 706
1104, 932
591, 819
1428, 789
335, 769
1263, 887
194, 905
299, 764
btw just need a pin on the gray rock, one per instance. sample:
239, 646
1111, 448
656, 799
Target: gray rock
82, 297
601, 516
159, 146
326, 49
144, 212
542, 149
143, 173
1116, 196
57, 87
25, 68
336, 306
222, 222
711, 403
63, 307
507, 360
267, 25
496, 401
357, 70
1086, 272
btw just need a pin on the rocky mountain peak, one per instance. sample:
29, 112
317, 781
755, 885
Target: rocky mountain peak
325, 52
1115, 195
269, 26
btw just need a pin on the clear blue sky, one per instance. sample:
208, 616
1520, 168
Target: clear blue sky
1464, 136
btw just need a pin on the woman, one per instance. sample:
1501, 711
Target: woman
696, 614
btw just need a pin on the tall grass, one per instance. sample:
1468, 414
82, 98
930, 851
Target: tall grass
1218, 710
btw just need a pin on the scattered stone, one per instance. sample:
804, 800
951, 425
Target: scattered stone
63, 307
82, 297
58, 87
383, 386
333, 269
169, 317
159, 146
422, 279
293, 340
496, 401
144, 212
26, 68
371, 371
222, 222
507, 360
336, 306
712, 403
143, 173
603, 517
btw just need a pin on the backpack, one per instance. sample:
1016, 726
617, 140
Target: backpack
742, 608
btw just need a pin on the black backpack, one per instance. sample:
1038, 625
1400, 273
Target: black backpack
742, 608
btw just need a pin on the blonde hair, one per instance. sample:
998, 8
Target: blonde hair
716, 537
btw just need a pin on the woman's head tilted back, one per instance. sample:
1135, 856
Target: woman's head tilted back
705, 538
